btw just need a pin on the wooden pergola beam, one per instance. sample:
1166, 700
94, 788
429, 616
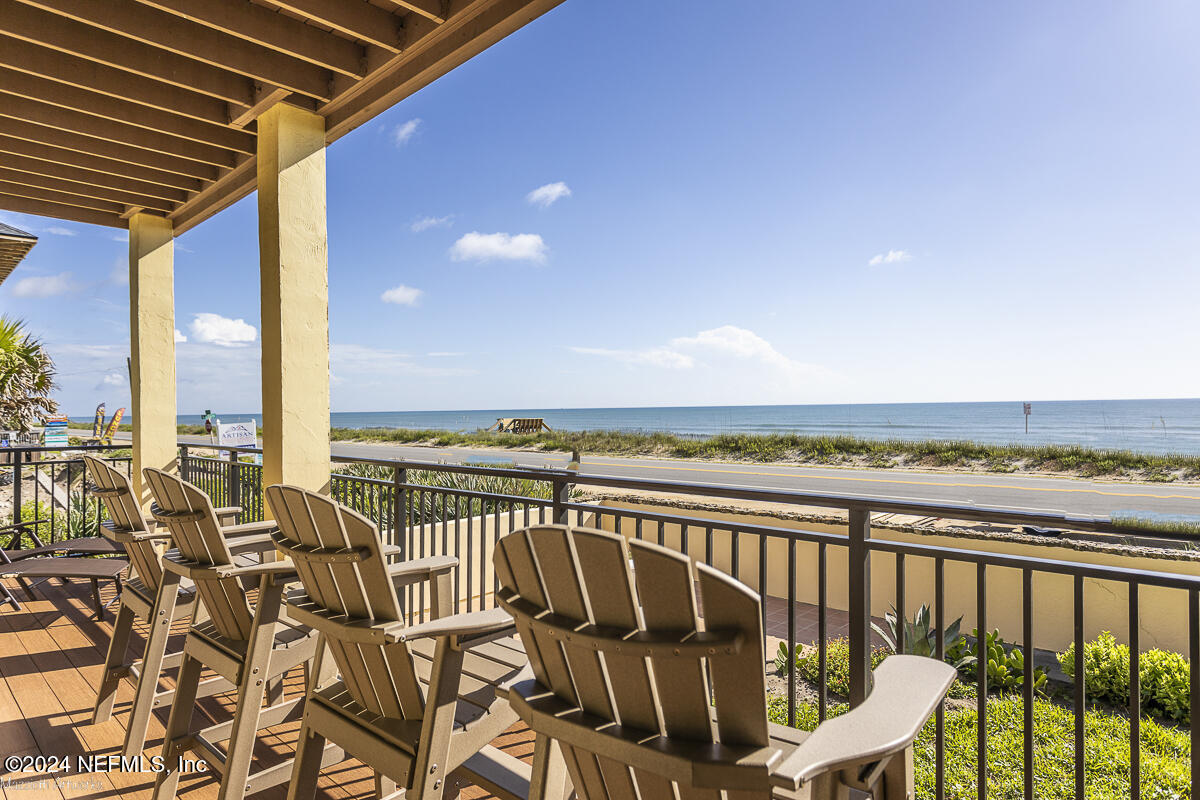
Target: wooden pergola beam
115, 133
68, 70
85, 41
434, 10
72, 98
269, 29
75, 160
26, 205
182, 37
13, 176
61, 198
86, 177
359, 19
426, 56
119, 152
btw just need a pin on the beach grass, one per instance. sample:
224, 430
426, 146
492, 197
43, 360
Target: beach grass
817, 450
833, 450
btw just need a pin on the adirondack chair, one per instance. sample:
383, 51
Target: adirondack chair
142, 599
250, 644
653, 723
414, 702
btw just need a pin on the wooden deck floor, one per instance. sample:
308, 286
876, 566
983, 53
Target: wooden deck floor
51, 656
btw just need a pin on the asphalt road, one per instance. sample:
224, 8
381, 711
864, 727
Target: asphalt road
1072, 496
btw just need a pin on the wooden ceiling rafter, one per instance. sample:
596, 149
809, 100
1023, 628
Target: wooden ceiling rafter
122, 105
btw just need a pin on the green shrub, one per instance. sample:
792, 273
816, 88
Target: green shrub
1163, 676
1105, 668
37, 510
1164, 751
837, 663
1165, 690
1005, 663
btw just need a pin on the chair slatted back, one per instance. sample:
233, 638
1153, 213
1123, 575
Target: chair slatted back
339, 557
188, 514
580, 577
125, 517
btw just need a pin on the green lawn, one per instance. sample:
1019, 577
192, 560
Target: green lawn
1165, 750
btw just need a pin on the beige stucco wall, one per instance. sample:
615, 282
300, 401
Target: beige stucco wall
1164, 621
152, 346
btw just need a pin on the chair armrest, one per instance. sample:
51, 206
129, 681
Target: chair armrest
258, 543
461, 627
19, 529
282, 568
907, 691
247, 528
227, 515
420, 569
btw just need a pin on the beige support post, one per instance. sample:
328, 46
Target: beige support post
152, 346
294, 278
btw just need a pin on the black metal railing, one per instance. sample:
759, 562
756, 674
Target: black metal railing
50, 483
428, 509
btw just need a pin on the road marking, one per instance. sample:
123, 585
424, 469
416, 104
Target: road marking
914, 482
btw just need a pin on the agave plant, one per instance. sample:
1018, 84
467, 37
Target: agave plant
920, 637
26, 378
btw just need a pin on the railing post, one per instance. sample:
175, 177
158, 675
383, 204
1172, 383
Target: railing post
16, 461
561, 495
233, 489
400, 507
859, 590
184, 472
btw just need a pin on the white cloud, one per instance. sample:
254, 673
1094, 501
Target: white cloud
179, 337
111, 379
222, 331
120, 236
402, 295
728, 347
444, 354
43, 285
663, 357
425, 223
404, 132
477, 246
370, 366
890, 257
59, 230
546, 195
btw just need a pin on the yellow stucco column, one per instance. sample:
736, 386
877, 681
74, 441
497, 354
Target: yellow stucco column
152, 345
293, 270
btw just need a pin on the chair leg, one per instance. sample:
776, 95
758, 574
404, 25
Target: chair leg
7, 596
307, 765
115, 665
162, 616
179, 725
96, 598
899, 777
275, 690
549, 778
251, 691
429, 767
384, 785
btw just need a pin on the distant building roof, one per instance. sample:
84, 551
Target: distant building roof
15, 244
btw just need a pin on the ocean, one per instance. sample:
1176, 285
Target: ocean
1149, 426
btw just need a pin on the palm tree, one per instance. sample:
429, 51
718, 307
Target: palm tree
26, 378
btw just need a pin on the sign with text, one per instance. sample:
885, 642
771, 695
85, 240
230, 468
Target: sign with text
237, 434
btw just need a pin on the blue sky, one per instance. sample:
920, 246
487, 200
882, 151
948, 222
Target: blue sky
851, 202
